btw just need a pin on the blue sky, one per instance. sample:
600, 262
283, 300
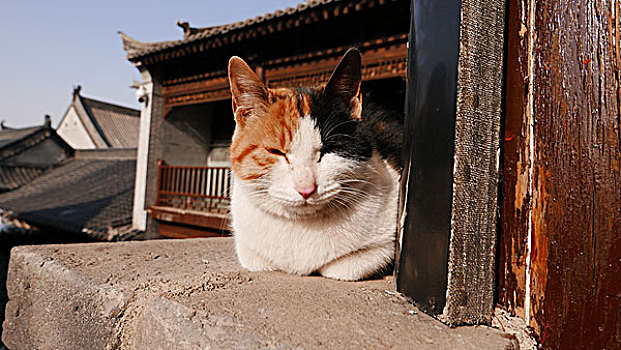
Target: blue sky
47, 47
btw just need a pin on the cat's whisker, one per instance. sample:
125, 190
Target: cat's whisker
345, 204
357, 181
334, 136
329, 127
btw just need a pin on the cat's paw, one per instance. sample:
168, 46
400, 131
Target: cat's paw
358, 265
250, 260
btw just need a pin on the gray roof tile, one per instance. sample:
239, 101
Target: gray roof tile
12, 135
14, 176
92, 196
118, 125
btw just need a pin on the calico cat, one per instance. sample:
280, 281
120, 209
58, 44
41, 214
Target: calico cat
315, 176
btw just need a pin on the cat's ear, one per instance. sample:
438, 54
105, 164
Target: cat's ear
345, 81
249, 94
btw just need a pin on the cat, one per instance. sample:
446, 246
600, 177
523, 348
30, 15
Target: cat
315, 176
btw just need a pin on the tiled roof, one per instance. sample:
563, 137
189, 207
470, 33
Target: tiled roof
137, 49
118, 125
16, 141
14, 176
82, 195
9, 136
13, 142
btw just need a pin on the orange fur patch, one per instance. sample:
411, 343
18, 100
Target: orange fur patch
272, 128
306, 109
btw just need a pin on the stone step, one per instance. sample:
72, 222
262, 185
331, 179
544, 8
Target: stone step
192, 294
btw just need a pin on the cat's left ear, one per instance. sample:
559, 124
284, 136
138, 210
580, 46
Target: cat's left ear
249, 95
345, 81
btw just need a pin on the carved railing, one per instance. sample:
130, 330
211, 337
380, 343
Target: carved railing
194, 188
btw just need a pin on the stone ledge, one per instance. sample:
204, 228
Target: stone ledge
192, 294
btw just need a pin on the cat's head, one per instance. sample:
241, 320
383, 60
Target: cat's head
299, 150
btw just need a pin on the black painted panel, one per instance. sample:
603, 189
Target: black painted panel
430, 129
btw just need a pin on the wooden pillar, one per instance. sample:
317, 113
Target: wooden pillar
560, 261
453, 114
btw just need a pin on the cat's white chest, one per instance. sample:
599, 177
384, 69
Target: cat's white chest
268, 241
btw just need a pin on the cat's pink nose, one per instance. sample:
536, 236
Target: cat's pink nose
306, 191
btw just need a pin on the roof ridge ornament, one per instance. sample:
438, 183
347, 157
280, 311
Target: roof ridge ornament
135, 48
187, 29
131, 45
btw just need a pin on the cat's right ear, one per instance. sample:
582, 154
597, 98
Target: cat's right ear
249, 94
345, 81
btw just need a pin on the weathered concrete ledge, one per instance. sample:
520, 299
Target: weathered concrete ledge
192, 294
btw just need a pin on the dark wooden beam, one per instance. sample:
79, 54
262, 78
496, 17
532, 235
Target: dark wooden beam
429, 149
515, 197
452, 138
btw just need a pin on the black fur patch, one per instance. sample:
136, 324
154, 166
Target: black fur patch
379, 129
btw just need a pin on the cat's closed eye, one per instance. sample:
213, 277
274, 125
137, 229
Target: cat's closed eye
276, 151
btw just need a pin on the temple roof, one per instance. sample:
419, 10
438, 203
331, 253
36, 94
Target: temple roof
107, 125
9, 136
119, 125
15, 141
90, 194
136, 49
15, 172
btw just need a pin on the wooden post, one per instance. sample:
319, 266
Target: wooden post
452, 130
560, 248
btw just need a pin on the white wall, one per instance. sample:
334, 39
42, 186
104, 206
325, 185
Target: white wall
73, 131
219, 156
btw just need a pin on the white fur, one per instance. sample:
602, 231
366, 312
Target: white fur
346, 230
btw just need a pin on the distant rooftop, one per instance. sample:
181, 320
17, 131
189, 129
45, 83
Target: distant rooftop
10, 135
119, 125
106, 124
87, 195
21, 157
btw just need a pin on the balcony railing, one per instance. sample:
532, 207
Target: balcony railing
203, 189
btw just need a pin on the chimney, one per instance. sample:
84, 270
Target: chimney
48, 121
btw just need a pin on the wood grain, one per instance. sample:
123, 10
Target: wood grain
576, 169
475, 173
515, 198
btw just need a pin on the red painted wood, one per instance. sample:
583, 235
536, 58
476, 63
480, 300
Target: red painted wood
194, 188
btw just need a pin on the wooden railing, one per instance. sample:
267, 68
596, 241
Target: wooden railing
195, 188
